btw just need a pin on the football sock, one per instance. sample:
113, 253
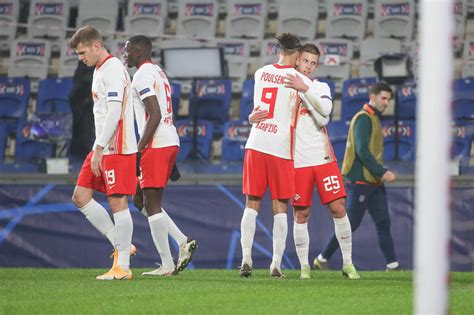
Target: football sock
247, 231
159, 232
280, 232
342, 228
174, 230
123, 237
100, 219
301, 237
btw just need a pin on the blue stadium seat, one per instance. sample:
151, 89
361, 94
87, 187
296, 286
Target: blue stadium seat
211, 100
405, 142
246, 100
406, 101
355, 93
463, 90
175, 97
3, 139
185, 130
462, 141
14, 97
337, 131
27, 150
53, 95
236, 133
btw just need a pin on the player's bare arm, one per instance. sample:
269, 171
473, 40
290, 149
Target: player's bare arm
154, 117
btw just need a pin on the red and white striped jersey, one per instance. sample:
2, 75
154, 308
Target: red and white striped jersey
150, 80
111, 87
312, 146
275, 135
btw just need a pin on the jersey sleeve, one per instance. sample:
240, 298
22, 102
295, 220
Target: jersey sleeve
115, 83
143, 83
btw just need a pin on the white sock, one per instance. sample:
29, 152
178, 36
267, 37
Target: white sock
174, 230
247, 233
301, 237
100, 219
123, 237
342, 227
280, 232
159, 233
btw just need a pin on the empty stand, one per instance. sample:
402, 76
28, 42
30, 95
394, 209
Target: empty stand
346, 18
204, 135
3, 139
197, 18
300, 18
236, 133
334, 63
355, 93
371, 49
406, 101
14, 98
53, 95
401, 147
9, 13
246, 19
468, 59
337, 131
68, 61
101, 14
268, 52
463, 97
394, 18
48, 19
462, 140
146, 17
30, 58
246, 100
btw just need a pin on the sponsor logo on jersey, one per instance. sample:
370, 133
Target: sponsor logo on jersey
145, 90
112, 94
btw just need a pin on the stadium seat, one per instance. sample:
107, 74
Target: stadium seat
48, 19
101, 14
268, 52
27, 150
463, 98
337, 131
175, 97
462, 141
146, 17
236, 133
246, 18
3, 139
197, 18
334, 63
246, 100
405, 142
460, 14
346, 18
53, 95
468, 59
205, 132
67, 61
9, 13
355, 93
406, 101
236, 53
301, 19
30, 58
14, 98
394, 18
211, 100
371, 49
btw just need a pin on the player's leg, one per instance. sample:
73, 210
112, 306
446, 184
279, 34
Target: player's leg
378, 210
82, 197
304, 186
254, 184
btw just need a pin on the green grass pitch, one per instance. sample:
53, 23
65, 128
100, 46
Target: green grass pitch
75, 291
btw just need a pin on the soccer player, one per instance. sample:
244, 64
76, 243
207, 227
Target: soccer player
315, 163
268, 161
110, 166
158, 148
365, 175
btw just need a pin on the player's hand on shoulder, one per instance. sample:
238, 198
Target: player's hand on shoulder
258, 115
295, 82
389, 177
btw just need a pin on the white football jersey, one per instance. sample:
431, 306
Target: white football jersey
275, 135
312, 145
111, 87
150, 80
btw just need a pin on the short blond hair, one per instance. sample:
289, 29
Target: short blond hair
86, 35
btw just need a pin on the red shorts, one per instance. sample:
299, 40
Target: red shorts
118, 174
156, 165
328, 180
262, 170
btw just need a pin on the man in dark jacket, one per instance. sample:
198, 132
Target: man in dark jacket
365, 176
